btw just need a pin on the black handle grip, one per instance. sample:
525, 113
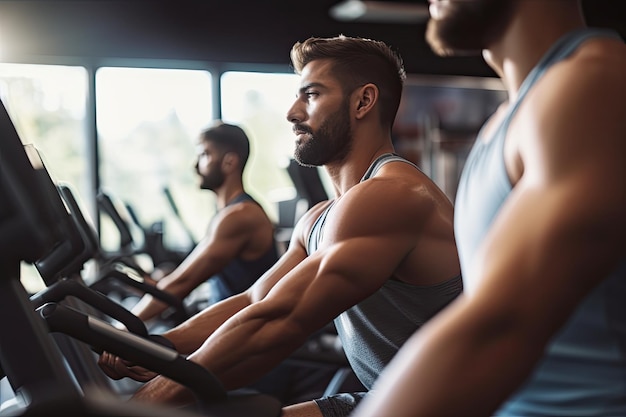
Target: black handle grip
124, 275
66, 287
143, 352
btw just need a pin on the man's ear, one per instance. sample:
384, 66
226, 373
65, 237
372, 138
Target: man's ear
366, 97
230, 161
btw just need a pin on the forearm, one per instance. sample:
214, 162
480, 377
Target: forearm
243, 349
161, 390
247, 347
148, 307
177, 285
191, 334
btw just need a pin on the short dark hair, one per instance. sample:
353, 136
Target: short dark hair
228, 138
358, 61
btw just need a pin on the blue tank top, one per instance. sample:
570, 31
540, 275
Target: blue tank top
583, 371
372, 331
240, 274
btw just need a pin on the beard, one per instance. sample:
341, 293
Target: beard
331, 142
213, 180
468, 27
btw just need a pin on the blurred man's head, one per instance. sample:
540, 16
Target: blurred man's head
462, 27
222, 146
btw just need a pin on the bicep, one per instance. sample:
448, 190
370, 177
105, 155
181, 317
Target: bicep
220, 246
224, 243
334, 279
365, 240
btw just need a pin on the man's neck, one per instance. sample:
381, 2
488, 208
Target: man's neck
226, 194
537, 25
347, 173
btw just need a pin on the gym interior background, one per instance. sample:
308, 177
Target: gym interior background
114, 94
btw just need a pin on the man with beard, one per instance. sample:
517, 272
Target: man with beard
540, 226
239, 245
379, 259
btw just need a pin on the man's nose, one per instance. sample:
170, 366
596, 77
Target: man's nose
295, 114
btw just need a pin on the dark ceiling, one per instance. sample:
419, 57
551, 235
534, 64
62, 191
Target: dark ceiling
233, 31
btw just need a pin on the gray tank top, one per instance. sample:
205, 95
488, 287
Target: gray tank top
583, 371
372, 331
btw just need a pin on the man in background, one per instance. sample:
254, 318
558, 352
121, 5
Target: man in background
239, 245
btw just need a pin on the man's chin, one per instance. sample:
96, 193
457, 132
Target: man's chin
304, 164
445, 50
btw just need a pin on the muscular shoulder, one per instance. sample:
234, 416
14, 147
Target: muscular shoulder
591, 79
400, 181
576, 107
400, 199
241, 217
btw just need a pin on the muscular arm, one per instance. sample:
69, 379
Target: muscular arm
297, 298
227, 236
558, 235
